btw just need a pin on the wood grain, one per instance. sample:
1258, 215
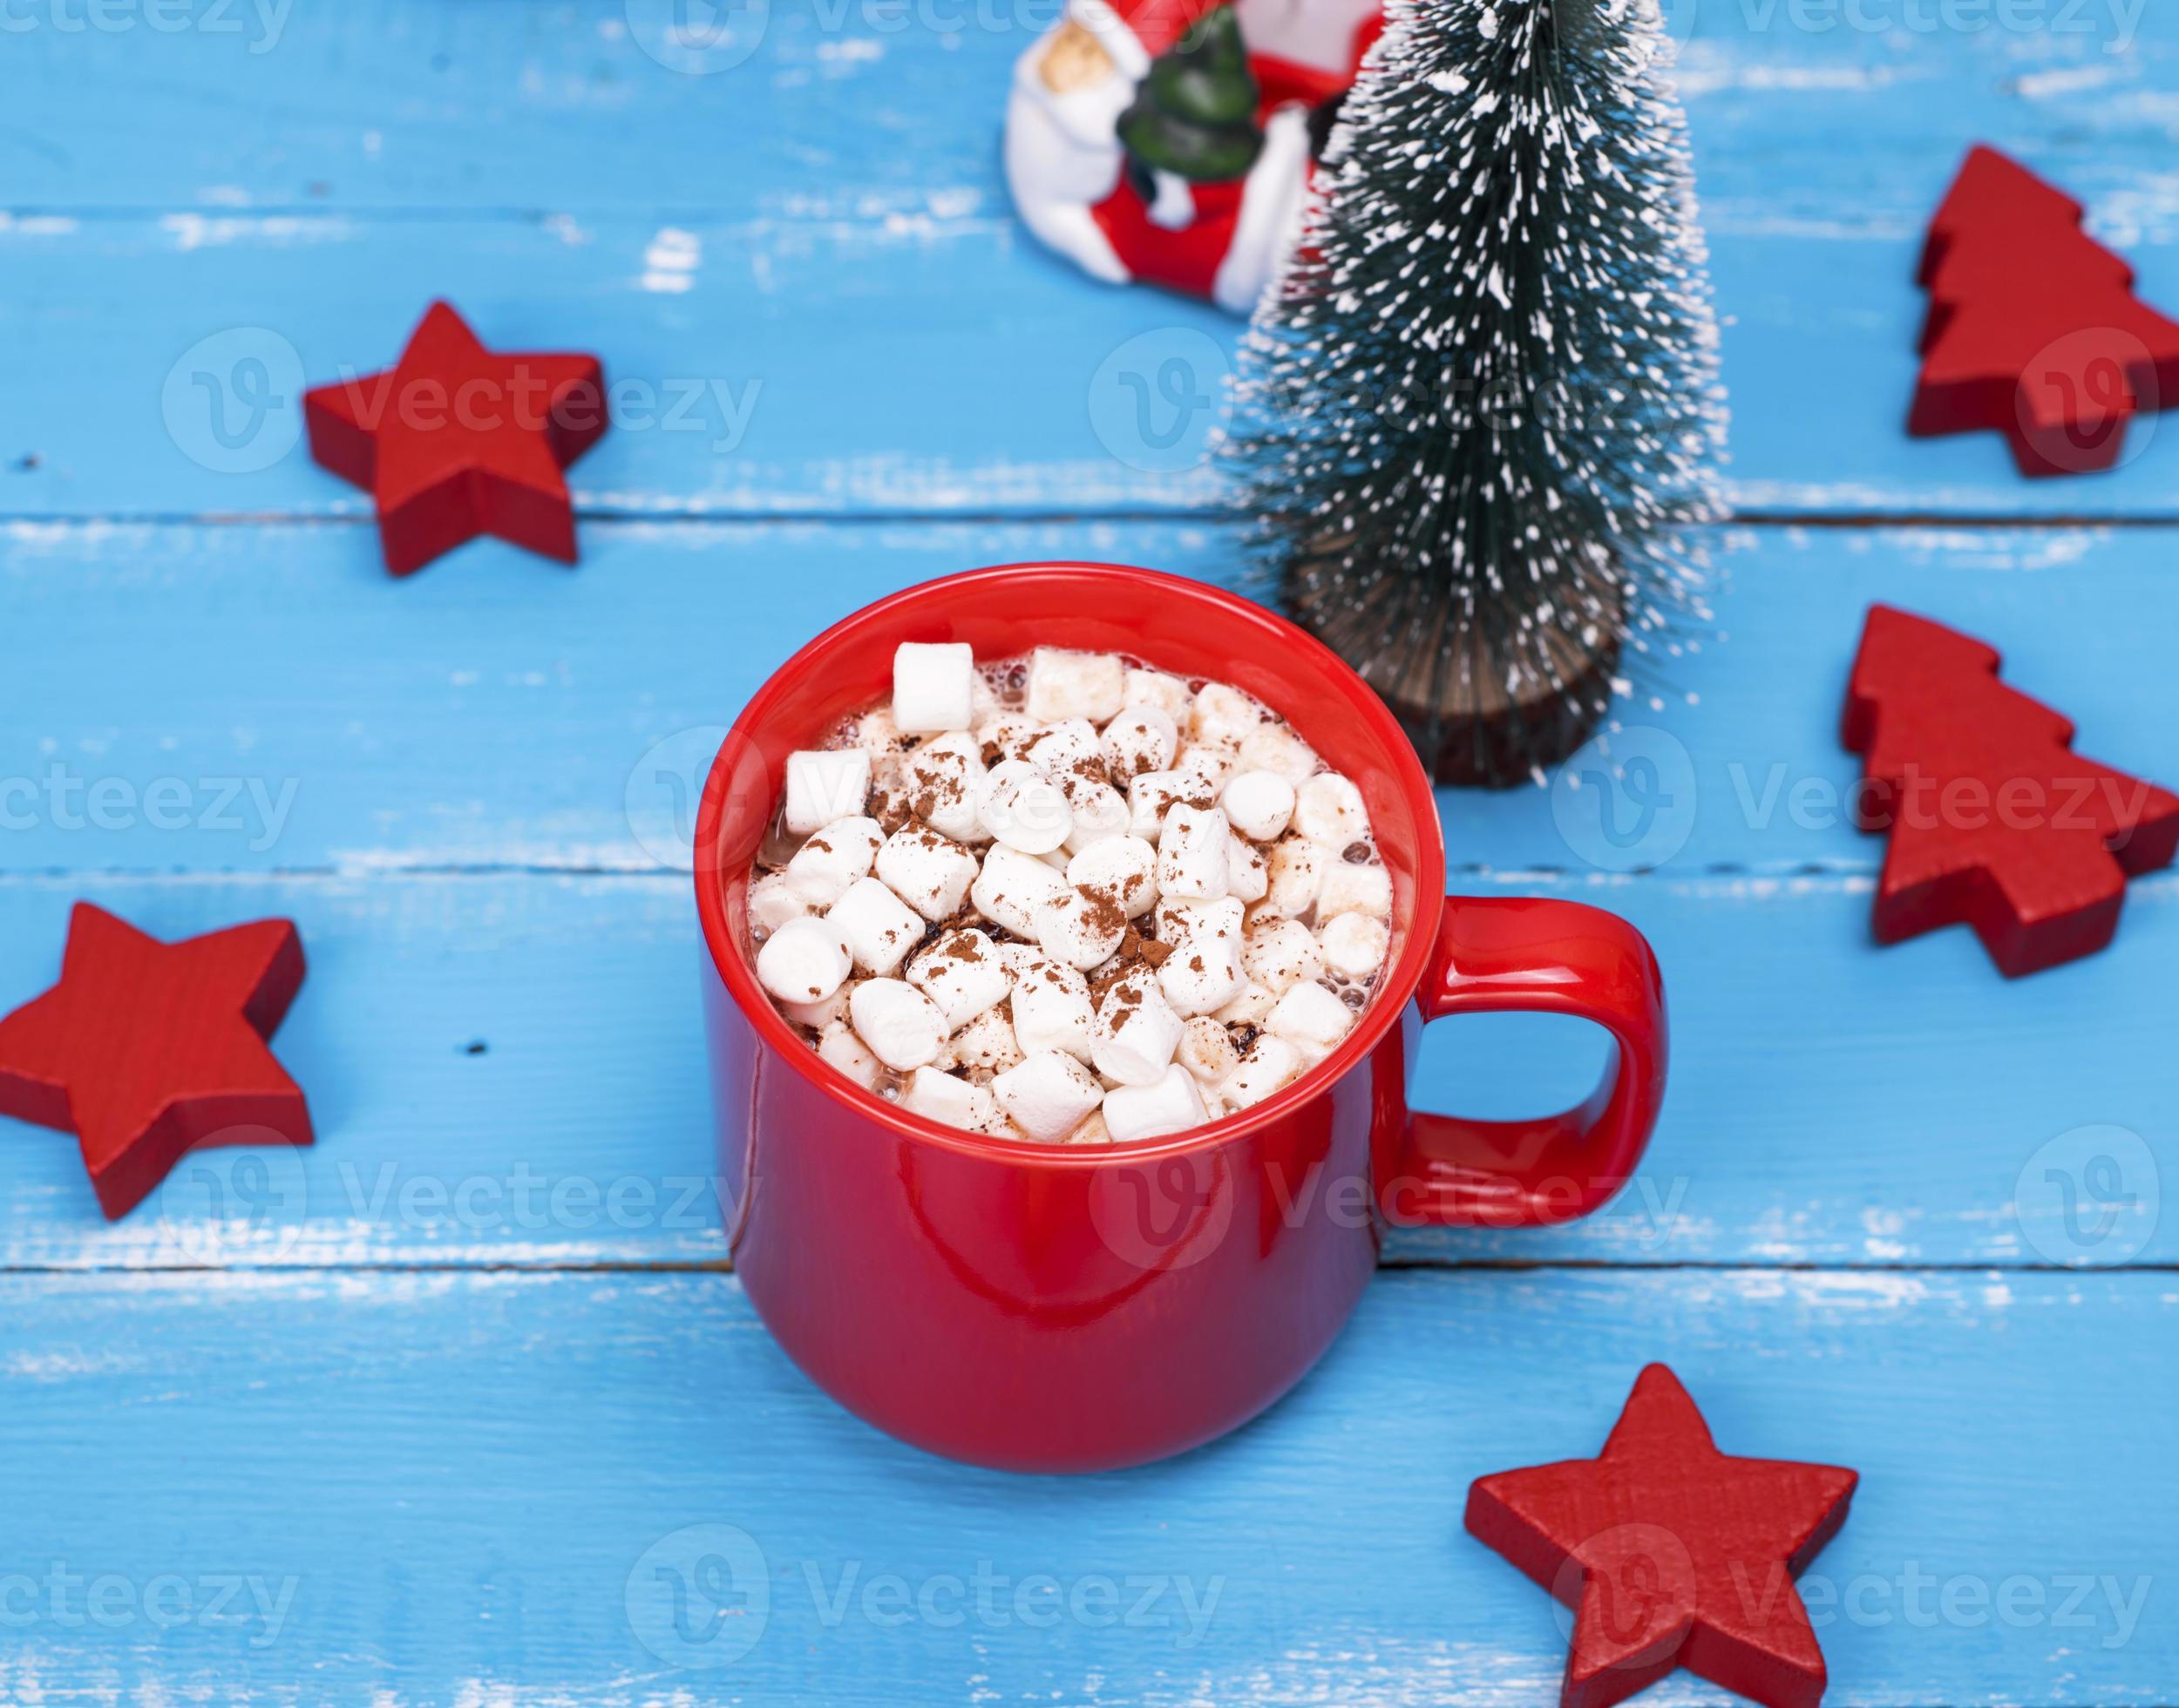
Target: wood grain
453, 1373
261, 698
459, 1475
826, 223
579, 1133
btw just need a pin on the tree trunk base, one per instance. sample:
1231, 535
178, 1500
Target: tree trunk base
1471, 729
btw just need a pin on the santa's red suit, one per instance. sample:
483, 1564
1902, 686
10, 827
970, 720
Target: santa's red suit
1222, 240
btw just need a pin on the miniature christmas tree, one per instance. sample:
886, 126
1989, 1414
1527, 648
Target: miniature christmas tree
1481, 410
1195, 115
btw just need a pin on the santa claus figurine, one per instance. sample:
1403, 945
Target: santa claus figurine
1172, 140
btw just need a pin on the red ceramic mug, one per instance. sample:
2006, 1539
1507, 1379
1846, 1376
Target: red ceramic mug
1079, 1308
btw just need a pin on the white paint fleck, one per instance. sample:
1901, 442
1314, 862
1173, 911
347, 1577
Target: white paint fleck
671, 260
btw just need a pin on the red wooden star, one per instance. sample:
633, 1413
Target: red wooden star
456, 442
145, 1048
1671, 1553
1994, 820
2034, 327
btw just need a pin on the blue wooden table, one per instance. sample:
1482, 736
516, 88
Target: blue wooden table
448, 1409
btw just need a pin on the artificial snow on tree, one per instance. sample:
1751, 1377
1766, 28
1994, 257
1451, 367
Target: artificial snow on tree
1479, 412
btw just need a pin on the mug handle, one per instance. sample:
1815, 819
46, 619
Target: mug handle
1506, 953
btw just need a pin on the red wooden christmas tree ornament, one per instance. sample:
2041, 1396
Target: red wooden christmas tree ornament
145, 1049
456, 442
1994, 820
1671, 1553
2033, 328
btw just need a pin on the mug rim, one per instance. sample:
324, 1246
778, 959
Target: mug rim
1403, 979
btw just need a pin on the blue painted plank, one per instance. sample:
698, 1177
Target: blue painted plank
436, 1490
862, 109
1830, 1102
940, 365
223, 699
855, 227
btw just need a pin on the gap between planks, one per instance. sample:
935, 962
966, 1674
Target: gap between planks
1396, 1264
1873, 521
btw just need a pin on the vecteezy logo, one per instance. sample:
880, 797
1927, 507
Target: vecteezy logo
1156, 401
2091, 1196
1171, 1212
1636, 1581
2084, 389
1677, 20
220, 1201
664, 791
1626, 801
701, 1596
234, 403
697, 37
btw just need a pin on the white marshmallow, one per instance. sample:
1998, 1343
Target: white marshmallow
1142, 738
1249, 1006
1092, 1131
1011, 884
1259, 805
1051, 1009
1066, 684
833, 858
1100, 812
1193, 844
1080, 927
897, 1023
889, 797
1328, 809
1022, 807
1247, 873
877, 927
803, 961
937, 1095
1125, 867
1021, 957
1354, 945
773, 901
876, 734
1202, 974
821, 1013
840, 1046
1173, 1104
987, 1045
1207, 1050
1170, 693
1280, 953
1150, 795
962, 974
1274, 748
933, 687
1223, 716
925, 871
1311, 1018
1346, 888
1297, 870
824, 786
1271, 1063
943, 781
1205, 766
1009, 732
1060, 750
1136, 1031
1049, 1094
